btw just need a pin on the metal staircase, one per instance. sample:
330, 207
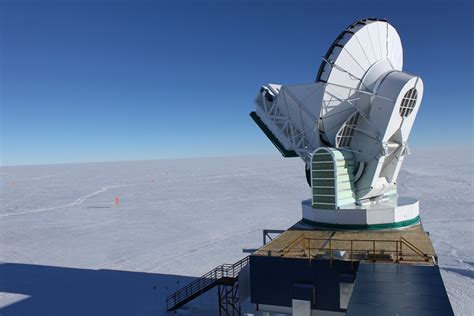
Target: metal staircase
226, 275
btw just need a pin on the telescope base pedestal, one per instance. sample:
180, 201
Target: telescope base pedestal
392, 213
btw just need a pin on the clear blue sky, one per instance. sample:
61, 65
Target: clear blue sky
118, 80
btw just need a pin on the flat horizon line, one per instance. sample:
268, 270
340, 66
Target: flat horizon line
138, 160
275, 153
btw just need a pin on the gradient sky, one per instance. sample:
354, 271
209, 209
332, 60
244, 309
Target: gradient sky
116, 80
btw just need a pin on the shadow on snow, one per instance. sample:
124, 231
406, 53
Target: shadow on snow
70, 291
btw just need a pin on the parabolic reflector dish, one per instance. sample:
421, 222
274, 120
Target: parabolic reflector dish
351, 68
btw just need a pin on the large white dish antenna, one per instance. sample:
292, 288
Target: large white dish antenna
361, 104
351, 68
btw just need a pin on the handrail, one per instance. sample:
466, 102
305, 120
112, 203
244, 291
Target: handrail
370, 250
209, 279
414, 248
294, 242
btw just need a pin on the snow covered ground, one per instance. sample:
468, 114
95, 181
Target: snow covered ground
67, 249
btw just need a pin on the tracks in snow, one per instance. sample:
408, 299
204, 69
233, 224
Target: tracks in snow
77, 202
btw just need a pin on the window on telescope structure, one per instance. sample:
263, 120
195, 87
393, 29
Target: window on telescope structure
408, 102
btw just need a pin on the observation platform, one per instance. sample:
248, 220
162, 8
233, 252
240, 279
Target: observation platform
405, 245
353, 272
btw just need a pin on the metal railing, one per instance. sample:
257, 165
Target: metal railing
356, 249
204, 283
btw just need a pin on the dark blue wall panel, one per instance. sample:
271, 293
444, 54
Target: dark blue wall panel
273, 280
399, 289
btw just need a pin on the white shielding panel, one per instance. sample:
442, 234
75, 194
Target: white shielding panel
383, 151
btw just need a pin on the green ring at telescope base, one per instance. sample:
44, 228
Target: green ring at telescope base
401, 224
